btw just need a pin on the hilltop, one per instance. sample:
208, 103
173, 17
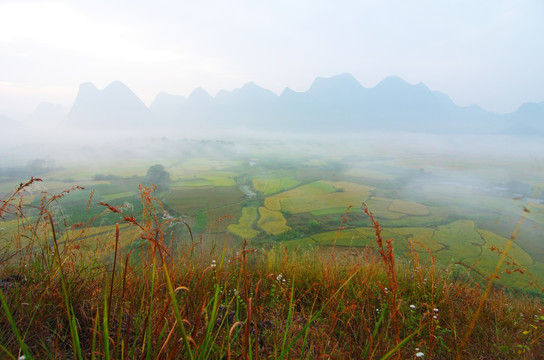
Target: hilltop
133, 290
332, 104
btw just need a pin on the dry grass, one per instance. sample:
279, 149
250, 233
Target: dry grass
182, 302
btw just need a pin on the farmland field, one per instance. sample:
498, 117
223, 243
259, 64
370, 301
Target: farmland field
317, 196
463, 211
272, 222
272, 186
244, 228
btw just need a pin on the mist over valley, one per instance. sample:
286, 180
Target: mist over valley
352, 180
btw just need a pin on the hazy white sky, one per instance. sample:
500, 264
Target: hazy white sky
485, 52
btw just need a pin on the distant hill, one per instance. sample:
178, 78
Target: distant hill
7, 122
335, 104
166, 107
528, 119
46, 114
116, 105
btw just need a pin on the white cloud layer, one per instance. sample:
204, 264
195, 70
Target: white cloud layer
487, 52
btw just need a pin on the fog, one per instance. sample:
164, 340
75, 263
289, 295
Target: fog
78, 144
464, 160
485, 181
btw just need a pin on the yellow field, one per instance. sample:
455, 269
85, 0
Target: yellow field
350, 187
214, 178
380, 208
272, 186
91, 241
272, 203
244, 228
319, 195
408, 208
272, 222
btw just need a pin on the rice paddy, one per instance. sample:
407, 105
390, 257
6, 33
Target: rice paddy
460, 239
271, 186
408, 208
454, 222
244, 228
319, 195
272, 222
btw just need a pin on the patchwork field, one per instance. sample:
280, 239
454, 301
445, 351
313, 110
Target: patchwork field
319, 195
302, 201
188, 200
213, 178
272, 222
244, 228
460, 239
271, 186
408, 208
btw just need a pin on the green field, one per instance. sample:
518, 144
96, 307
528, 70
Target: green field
303, 200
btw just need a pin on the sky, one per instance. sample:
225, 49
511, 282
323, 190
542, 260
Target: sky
485, 52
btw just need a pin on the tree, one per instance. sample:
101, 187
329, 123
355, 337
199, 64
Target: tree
156, 175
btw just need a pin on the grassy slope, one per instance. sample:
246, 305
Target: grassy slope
248, 303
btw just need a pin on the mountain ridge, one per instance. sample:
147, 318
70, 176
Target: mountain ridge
334, 103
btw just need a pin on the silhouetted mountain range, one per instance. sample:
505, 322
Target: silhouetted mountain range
338, 103
46, 114
115, 105
7, 122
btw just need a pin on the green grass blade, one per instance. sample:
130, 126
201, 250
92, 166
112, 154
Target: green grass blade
400, 345
289, 315
205, 348
177, 313
376, 328
22, 344
93, 340
106, 335
8, 353
314, 317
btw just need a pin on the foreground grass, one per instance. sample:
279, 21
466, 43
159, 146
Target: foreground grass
189, 301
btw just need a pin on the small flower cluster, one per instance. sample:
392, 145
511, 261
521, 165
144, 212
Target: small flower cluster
280, 278
214, 264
